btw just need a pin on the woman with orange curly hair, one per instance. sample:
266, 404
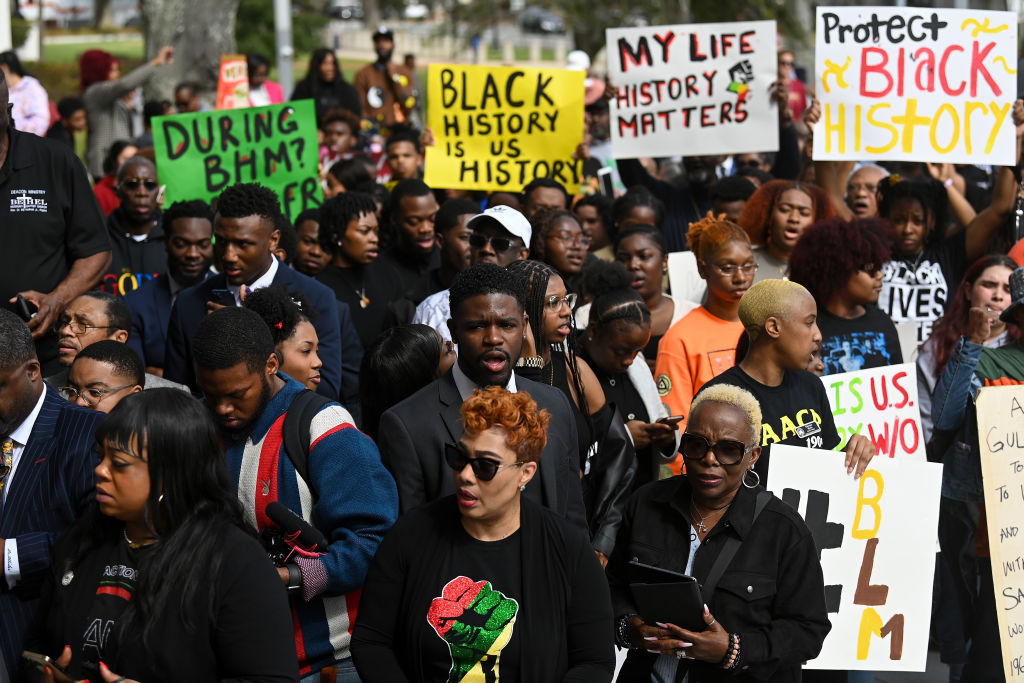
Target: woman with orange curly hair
486, 584
702, 345
775, 216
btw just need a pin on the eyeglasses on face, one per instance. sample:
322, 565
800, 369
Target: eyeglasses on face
572, 239
727, 451
134, 184
484, 469
554, 302
730, 269
76, 326
479, 241
92, 395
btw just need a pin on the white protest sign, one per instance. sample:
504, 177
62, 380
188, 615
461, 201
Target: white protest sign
876, 538
693, 89
880, 403
1001, 439
915, 84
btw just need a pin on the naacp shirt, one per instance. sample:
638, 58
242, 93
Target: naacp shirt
49, 217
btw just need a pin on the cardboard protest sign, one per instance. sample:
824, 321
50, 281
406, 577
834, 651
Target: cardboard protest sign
693, 89
1000, 416
915, 84
498, 128
881, 404
876, 541
198, 155
233, 83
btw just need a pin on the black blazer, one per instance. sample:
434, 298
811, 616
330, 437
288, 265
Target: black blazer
190, 308
412, 439
51, 488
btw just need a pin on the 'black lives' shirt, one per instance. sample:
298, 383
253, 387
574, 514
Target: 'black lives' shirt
795, 413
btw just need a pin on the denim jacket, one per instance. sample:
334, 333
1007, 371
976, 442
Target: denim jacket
954, 397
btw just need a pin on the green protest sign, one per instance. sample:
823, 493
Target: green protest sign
198, 155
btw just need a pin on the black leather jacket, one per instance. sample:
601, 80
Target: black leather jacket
607, 485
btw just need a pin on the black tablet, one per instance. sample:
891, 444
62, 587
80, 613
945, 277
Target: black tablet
665, 596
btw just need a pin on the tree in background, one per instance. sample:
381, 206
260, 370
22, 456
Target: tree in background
254, 31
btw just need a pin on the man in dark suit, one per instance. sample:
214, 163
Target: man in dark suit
488, 323
189, 246
245, 241
46, 479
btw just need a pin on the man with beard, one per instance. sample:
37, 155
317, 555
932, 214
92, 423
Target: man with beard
344, 490
47, 456
488, 323
189, 246
386, 88
135, 229
413, 250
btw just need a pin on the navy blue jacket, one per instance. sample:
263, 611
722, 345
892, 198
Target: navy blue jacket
52, 486
190, 308
151, 312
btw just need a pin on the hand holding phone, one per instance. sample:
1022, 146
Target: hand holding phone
671, 420
43, 662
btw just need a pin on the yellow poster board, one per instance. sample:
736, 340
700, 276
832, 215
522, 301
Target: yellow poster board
499, 127
1001, 438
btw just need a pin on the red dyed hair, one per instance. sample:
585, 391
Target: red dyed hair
830, 252
94, 67
757, 214
710, 233
526, 428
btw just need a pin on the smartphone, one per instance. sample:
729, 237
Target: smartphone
604, 177
25, 309
224, 297
42, 661
671, 420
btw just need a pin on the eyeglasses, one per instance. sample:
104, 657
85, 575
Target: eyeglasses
730, 269
484, 469
572, 239
727, 451
91, 395
479, 241
782, 63
76, 327
870, 188
134, 184
554, 302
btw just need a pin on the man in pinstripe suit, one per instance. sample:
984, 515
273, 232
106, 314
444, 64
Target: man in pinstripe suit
47, 458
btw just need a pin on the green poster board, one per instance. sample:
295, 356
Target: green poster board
199, 155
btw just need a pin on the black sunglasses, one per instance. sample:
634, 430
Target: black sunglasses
479, 241
134, 184
484, 468
727, 451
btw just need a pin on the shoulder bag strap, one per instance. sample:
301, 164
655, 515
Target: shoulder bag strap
729, 549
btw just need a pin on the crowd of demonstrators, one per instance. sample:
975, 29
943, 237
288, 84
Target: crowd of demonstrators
512, 381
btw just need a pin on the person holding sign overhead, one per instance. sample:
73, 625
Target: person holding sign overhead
758, 610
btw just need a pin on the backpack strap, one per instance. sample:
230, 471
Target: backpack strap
731, 545
295, 432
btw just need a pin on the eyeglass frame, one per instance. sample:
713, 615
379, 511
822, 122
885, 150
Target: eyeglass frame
710, 447
134, 183
70, 323
554, 302
460, 453
746, 268
583, 239
493, 241
102, 392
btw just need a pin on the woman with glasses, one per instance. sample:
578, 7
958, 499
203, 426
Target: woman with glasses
485, 584
845, 283
559, 241
764, 608
163, 562
703, 344
350, 234
608, 460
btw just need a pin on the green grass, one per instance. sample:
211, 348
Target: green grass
522, 54
70, 52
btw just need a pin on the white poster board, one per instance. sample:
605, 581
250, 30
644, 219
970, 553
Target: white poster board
880, 403
915, 84
876, 537
693, 89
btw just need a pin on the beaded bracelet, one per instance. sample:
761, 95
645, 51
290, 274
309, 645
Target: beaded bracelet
731, 660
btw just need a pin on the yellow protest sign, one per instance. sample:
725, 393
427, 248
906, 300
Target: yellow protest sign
501, 127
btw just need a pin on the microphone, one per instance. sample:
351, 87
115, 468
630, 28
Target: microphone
293, 527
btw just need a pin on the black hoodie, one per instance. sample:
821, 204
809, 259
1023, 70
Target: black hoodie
133, 262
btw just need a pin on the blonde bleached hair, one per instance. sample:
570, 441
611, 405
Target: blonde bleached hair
767, 299
733, 396
525, 427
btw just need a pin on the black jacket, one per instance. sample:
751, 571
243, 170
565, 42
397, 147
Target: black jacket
772, 593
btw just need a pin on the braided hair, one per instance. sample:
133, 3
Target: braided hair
614, 298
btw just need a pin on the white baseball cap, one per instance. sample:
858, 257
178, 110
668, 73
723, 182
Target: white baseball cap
510, 219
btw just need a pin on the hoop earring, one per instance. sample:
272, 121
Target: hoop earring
757, 479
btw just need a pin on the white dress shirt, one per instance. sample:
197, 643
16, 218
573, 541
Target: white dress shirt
12, 570
262, 281
466, 386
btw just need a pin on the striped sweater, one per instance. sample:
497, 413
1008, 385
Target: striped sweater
357, 504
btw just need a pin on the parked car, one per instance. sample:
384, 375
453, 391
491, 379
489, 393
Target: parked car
540, 20
345, 9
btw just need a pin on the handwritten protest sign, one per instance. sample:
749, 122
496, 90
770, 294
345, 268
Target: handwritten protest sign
1001, 438
501, 127
915, 84
274, 146
876, 541
881, 404
693, 89
233, 84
